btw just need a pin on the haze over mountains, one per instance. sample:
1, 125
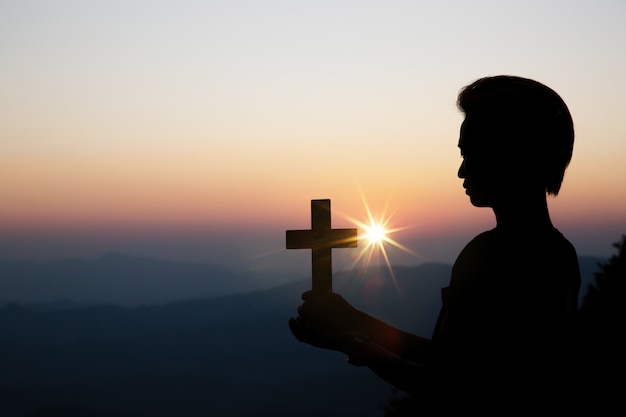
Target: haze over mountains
217, 351
115, 278
124, 280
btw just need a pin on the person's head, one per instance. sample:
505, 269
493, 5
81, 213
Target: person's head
518, 134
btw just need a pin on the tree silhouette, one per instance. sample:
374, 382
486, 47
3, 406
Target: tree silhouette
602, 325
603, 304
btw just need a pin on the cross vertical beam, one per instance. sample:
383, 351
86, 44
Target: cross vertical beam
321, 239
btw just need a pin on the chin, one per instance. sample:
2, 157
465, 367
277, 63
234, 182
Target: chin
478, 202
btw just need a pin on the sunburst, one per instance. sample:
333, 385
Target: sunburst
375, 239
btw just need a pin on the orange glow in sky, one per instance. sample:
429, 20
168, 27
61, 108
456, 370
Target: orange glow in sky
128, 116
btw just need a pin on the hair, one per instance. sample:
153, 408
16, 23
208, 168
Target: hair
523, 112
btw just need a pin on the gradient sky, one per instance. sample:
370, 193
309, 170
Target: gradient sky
201, 130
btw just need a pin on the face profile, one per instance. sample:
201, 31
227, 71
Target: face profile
476, 169
487, 177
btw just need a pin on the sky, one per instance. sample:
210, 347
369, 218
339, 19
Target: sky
201, 130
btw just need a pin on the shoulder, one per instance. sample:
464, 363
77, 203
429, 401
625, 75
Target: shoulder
480, 244
562, 256
480, 247
527, 254
563, 244
475, 259
552, 247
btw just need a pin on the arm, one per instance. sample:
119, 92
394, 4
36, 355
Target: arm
329, 314
328, 321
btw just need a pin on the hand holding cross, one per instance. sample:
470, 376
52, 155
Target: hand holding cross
321, 238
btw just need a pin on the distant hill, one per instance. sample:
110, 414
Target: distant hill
225, 356
122, 280
131, 281
221, 356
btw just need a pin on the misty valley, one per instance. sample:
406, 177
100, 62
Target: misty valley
147, 338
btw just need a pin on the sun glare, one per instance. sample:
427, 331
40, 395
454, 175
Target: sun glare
375, 241
375, 234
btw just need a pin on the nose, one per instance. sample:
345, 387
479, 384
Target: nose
461, 172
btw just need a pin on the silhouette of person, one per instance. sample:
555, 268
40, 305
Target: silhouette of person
503, 337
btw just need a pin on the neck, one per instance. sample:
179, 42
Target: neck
523, 212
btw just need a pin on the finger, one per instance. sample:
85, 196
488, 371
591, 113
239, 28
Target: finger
309, 295
321, 296
311, 311
301, 333
295, 329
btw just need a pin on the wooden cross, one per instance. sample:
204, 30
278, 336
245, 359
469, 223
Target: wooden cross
321, 239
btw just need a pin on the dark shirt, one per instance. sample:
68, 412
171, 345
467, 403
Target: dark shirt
503, 333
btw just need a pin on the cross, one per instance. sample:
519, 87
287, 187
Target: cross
321, 239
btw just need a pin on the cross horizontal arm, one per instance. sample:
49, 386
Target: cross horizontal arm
321, 238
311, 239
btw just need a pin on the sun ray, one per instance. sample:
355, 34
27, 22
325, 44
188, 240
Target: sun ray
376, 236
375, 241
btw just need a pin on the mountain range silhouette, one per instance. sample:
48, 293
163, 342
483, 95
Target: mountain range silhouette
222, 354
